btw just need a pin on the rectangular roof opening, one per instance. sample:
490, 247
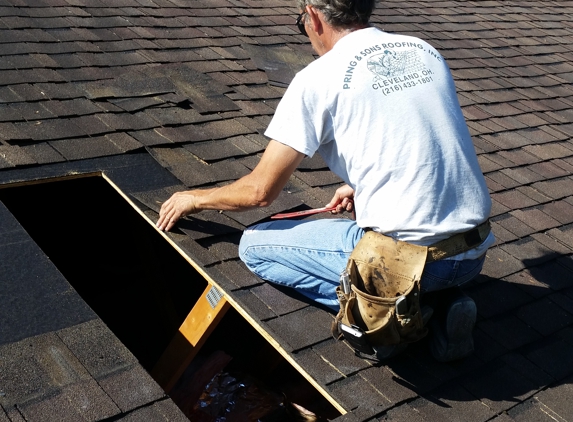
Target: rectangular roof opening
143, 288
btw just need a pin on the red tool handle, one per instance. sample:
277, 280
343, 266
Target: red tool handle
301, 213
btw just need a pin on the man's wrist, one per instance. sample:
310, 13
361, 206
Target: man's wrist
201, 199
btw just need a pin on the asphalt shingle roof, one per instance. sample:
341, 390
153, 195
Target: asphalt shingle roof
163, 95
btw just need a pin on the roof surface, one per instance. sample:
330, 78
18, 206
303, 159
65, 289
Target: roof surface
185, 89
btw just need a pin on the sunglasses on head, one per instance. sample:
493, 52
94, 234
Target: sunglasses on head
300, 24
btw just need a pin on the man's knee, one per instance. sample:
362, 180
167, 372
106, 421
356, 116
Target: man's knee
250, 238
243, 246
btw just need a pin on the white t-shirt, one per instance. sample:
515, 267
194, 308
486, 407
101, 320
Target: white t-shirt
382, 111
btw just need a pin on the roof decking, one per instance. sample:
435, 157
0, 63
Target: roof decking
185, 89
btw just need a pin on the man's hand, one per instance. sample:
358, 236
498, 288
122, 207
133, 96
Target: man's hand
342, 199
179, 205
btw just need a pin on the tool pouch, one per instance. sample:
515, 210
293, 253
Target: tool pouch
383, 271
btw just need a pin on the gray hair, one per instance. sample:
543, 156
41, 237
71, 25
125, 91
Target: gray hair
342, 13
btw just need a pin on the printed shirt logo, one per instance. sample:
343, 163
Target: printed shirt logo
394, 70
392, 63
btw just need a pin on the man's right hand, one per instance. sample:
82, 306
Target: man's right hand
343, 200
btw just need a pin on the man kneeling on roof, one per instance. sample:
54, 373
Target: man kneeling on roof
382, 111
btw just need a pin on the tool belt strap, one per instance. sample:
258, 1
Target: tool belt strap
458, 243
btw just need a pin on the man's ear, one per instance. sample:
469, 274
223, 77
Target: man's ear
316, 19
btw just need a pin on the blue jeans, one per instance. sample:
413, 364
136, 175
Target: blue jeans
310, 255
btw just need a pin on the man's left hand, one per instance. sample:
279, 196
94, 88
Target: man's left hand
179, 205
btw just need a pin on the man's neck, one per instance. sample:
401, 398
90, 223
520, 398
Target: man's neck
332, 35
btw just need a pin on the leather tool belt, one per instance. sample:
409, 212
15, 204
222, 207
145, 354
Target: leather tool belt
380, 305
458, 243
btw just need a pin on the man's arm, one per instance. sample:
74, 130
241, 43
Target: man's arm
257, 189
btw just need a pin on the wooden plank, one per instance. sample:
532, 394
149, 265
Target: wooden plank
290, 359
51, 179
187, 342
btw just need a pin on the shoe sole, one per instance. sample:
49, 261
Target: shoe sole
459, 341
387, 352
